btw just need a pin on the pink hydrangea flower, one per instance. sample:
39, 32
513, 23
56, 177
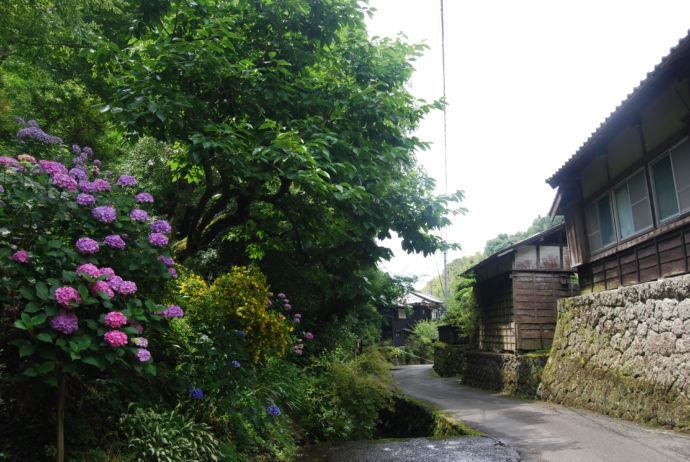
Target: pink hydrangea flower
21, 256
64, 296
106, 270
101, 286
26, 158
115, 319
309, 336
88, 269
166, 260
138, 327
115, 338
64, 181
172, 272
101, 185
141, 342
52, 168
115, 282
297, 315
172, 311
126, 288
87, 245
65, 322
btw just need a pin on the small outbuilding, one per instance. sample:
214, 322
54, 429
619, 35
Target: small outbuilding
516, 290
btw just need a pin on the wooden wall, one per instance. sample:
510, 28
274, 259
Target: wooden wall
497, 327
534, 300
664, 255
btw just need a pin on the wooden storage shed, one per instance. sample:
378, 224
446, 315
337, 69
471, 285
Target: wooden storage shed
516, 291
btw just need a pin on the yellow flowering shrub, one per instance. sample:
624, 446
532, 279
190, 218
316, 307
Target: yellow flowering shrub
239, 300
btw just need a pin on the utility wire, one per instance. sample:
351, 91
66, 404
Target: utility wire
445, 143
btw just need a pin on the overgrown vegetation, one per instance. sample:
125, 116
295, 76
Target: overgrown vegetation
273, 143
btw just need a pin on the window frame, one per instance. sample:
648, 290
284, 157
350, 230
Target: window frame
595, 201
667, 153
619, 237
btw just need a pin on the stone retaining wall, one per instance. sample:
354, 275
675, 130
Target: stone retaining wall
506, 373
625, 352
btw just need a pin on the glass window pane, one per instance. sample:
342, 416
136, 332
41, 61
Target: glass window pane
681, 169
642, 215
665, 189
625, 216
637, 187
608, 234
593, 227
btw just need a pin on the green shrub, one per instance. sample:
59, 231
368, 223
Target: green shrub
168, 436
344, 399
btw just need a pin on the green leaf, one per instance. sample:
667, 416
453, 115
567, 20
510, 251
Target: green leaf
32, 307
27, 293
92, 360
45, 337
42, 290
26, 350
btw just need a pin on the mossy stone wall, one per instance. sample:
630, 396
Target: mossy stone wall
625, 353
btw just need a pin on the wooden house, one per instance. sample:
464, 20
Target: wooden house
516, 290
399, 321
625, 193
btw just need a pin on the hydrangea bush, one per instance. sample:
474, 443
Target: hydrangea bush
82, 260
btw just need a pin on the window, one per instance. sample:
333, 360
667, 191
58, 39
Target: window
620, 213
600, 223
633, 211
671, 177
401, 313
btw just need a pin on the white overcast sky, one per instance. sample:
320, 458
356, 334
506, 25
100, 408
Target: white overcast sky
527, 82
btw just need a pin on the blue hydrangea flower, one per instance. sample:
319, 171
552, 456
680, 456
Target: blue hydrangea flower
235, 364
196, 393
273, 410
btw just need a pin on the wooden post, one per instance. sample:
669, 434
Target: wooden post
61, 418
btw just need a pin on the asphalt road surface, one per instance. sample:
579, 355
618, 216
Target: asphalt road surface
542, 431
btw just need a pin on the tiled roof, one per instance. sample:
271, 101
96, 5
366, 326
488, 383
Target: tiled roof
667, 63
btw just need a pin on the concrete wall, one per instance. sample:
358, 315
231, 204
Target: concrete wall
625, 352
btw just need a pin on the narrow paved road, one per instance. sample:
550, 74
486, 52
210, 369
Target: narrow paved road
541, 431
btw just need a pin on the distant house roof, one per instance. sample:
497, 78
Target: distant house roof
669, 67
505, 251
420, 297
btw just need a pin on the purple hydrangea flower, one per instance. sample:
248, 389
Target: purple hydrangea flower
161, 226
196, 393
88, 269
309, 335
87, 245
141, 342
172, 311
235, 364
126, 180
273, 410
21, 256
143, 354
64, 181
64, 296
172, 272
126, 288
101, 185
85, 199
19, 120
76, 149
105, 213
139, 328
167, 260
241, 333
138, 215
101, 286
144, 197
287, 306
106, 270
115, 282
281, 295
34, 132
97, 162
80, 160
52, 168
87, 186
114, 241
78, 174
65, 322
9, 162
115, 338
88, 151
158, 239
